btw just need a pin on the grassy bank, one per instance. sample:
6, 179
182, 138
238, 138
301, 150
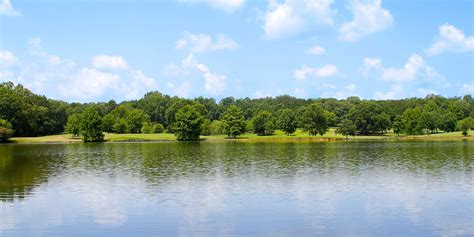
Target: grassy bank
278, 136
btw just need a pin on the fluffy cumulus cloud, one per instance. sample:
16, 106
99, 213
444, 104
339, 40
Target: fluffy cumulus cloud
228, 6
202, 42
415, 68
368, 17
7, 59
109, 62
467, 89
415, 78
214, 83
61, 78
292, 16
395, 92
332, 91
451, 39
316, 50
6, 8
306, 72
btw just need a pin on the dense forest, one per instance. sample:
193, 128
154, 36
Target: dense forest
23, 113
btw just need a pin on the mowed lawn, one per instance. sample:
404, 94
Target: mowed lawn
299, 135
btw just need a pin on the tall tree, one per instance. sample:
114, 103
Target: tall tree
287, 121
91, 125
73, 125
263, 123
314, 120
346, 128
188, 121
233, 121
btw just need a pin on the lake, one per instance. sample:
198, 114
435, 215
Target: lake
238, 189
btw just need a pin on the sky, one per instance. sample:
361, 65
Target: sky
86, 51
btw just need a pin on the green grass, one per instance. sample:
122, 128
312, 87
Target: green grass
278, 136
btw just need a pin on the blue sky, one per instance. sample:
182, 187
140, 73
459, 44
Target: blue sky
100, 50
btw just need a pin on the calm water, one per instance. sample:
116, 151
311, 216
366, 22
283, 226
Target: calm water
249, 189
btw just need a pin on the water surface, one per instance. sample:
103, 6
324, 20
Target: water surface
238, 189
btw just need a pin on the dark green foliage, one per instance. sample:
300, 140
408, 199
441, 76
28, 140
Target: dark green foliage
34, 115
412, 123
397, 125
287, 121
263, 123
346, 128
6, 130
314, 120
369, 118
233, 121
73, 125
90, 126
124, 119
155, 104
30, 114
464, 125
188, 121
448, 122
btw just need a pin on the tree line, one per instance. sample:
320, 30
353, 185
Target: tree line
23, 113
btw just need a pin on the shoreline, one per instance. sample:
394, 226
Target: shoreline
300, 137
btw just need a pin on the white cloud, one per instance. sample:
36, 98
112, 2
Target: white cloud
330, 92
35, 49
102, 61
261, 94
395, 92
182, 90
228, 6
60, 78
89, 83
6, 8
7, 59
316, 50
451, 39
203, 42
305, 72
213, 83
467, 89
368, 18
414, 69
423, 92
291, 16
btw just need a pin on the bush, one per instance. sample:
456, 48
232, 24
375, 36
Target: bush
151, 128
6, 130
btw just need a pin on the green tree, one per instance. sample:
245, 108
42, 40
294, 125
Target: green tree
263, 123
346, 128
91, 125
73, 125
151, 128
412, 122
368, 118
233, 121
287, 121
397, 126
206, 127
6, 130
314, 120
216, 127
430, 121
464, 125
449, 122
188, 121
